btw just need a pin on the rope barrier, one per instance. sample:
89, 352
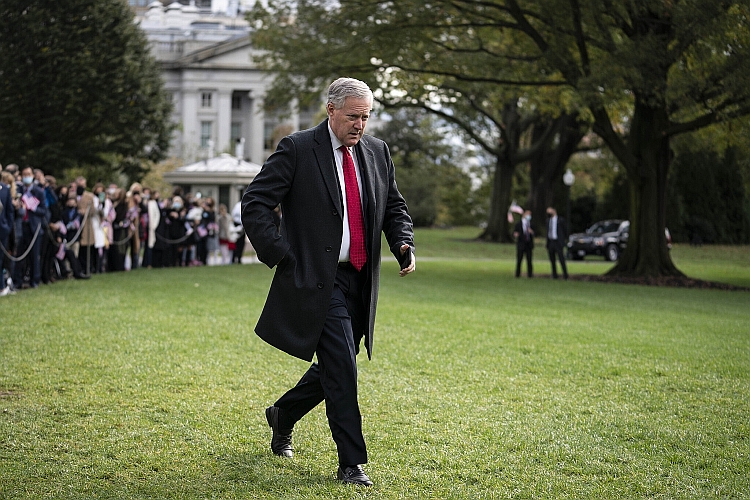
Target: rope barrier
31, 245
80, 229
125, 240
173, 242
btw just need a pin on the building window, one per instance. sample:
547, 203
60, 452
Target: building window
224, 196
236, 132
268, 135
205, 133
206, 99
236, 101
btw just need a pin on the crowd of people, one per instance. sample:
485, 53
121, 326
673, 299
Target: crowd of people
50, 232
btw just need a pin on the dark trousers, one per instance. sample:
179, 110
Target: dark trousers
147, 256
555, 250
75, 264
88, 259
4, 262
239, 248
333, 378
33, 259
49, 248
520, 252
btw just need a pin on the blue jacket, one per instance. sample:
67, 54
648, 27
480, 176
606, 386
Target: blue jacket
40, 215
6, 213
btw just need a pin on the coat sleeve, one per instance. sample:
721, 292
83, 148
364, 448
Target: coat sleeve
262, 196
397, 223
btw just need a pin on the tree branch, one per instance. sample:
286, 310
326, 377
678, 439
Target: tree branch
465, 78
706, 120
466, 127
580, 40
603, 128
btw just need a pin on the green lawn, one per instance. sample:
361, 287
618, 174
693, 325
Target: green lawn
152, 384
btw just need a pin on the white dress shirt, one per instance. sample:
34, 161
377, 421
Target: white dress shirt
553, 228
339, 157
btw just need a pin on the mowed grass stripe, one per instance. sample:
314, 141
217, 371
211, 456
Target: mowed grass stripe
151, 384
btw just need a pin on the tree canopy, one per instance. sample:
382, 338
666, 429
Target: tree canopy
640, 71
431, 176
78, 87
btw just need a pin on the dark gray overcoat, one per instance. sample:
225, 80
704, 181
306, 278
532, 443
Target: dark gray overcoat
301, 176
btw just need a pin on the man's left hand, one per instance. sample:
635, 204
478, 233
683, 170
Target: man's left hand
412, 265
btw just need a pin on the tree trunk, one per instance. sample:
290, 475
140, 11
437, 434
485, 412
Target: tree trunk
646, 254
498, 227
548, 165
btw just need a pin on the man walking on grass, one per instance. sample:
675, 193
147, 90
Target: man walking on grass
337, 191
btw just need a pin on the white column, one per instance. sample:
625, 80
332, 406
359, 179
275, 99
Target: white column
254, 147
294, 118
190, 126
224, 122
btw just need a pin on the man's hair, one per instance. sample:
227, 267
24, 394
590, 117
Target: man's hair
342, 88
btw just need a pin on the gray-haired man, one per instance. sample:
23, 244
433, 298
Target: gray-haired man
337, 191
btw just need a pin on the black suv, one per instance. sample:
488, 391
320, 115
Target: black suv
603, 238
607, 238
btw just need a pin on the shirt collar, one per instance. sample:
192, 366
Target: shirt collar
335, 142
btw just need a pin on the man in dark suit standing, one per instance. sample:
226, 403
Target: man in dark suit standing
337, 191
556, 237
7, 212
35, 218
524, 236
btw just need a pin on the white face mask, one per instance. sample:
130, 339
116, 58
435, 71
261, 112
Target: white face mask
528, 218
27, 180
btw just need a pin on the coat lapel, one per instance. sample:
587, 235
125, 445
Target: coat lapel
324, 155
367, 170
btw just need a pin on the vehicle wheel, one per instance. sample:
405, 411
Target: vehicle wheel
612, 252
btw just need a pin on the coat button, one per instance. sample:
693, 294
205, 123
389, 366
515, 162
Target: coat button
335, 212
328, 249
320, 285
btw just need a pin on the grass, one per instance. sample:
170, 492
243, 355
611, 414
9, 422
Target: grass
151, 384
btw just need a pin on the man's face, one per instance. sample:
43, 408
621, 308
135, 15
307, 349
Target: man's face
348, 123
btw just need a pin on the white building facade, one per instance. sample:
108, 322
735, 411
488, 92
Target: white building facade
210, 71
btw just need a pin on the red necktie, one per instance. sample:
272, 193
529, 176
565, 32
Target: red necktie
357, 252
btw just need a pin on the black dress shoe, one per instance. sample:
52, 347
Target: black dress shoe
353, 475
281, 442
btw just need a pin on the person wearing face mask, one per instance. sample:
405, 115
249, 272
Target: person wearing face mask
524, 236
97, 220
169, 233
7, 221
120, 229
153, 216
87, 209
34, 218
107, 220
